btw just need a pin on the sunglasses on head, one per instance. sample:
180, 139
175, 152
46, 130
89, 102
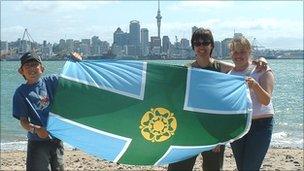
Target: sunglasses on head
199, 43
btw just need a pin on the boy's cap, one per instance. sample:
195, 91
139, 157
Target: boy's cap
29, 56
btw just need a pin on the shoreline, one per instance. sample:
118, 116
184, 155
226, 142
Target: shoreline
170, 59
276, 159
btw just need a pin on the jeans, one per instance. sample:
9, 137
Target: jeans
211, 161
250, 150
44, 155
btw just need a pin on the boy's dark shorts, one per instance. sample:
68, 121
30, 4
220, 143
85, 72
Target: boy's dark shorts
45, 155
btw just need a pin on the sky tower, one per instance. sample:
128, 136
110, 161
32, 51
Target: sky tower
158, 17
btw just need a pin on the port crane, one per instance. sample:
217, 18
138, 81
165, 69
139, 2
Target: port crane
25, 41
256, 45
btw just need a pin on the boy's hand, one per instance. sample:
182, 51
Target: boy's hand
76, 56
41, 132
261, 64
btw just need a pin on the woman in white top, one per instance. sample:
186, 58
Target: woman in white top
250, 150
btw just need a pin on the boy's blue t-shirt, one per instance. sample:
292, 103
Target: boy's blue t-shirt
38, 97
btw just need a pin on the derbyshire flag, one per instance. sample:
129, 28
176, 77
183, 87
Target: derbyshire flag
145, 113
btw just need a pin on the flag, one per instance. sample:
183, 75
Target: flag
146, 113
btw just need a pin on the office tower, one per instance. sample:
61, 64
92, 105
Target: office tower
134, 35
237, 35
24, 46
61, 45
225, 47
46, 50
120, 38
144, 40
134, 38
185, 43
217, 51
69, 45
155, 45
85, 47
86, 42
95, 45
193, 29
104, 47
166, 44
4, 46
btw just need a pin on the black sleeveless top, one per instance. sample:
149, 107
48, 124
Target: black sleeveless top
214, 66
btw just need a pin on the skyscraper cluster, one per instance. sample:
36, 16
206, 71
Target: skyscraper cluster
134, 44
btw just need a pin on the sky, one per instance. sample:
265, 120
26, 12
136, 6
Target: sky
273, 24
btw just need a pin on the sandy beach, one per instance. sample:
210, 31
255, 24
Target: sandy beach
276, 159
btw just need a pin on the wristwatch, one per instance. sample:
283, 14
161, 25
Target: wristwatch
32, 130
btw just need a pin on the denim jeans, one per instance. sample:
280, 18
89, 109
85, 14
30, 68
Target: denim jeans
44, 155
211, 162
250, 150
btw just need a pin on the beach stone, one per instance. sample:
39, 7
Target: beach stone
296, 163
289, 157
267, 165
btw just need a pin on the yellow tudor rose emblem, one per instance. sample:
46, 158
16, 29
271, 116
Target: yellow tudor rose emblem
158, 125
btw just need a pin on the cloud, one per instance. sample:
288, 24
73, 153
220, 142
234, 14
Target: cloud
264, 29
199, 5
83, 19
38, 7
82, 5
265, 26
283, 42
9, 33
35, 7
268, 27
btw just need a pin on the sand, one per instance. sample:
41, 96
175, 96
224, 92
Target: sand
276, 159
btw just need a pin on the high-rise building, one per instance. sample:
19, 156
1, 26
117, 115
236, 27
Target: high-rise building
104, 47
217, 51
134, 38
95, 45
46, 49
85, 46
120, 38
185, 43
134, 35
77, 46
193, 29
225, 48
144, 40
237, 35
155, 45
4, 46
69, 45
166, 44
61, 45
24, 46
120, 43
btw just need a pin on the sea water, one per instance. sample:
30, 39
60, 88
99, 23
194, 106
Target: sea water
287, 100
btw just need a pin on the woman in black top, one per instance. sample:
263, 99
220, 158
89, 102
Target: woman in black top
202, 43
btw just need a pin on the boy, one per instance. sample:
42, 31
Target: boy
31, 105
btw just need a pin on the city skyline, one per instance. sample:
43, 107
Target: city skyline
78, 20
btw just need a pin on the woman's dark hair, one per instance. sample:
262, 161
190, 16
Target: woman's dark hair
202, 34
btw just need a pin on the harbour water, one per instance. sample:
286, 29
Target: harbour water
287, 98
